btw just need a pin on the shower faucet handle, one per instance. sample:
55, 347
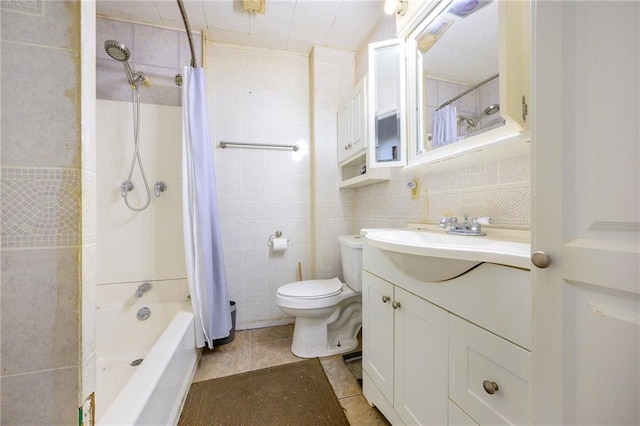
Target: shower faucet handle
160, 186
126, 186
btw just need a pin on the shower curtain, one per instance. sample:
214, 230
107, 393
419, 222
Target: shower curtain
202, 236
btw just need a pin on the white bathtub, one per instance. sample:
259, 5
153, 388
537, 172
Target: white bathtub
153, 392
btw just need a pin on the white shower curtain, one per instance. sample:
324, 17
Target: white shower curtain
445, 126
202, 236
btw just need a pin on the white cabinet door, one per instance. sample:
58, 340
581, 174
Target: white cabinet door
420, 360
377, 333
358, 117
586, 151
343, 132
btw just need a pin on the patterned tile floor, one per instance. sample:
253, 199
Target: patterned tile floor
267, 347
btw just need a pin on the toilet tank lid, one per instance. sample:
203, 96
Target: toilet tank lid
353, 241
311, 289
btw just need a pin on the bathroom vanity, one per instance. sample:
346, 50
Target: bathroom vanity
446, 327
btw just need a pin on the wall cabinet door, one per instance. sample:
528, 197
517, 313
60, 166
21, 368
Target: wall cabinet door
343, 132
420, 365
352, 124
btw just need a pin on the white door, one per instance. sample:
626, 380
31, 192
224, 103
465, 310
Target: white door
586, 147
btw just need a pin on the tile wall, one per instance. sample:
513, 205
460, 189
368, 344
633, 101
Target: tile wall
160, 53
332, 74
42, 130
261, 96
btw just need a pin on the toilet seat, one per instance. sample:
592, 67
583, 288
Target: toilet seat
311, 289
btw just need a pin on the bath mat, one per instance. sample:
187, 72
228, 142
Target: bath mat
289, 394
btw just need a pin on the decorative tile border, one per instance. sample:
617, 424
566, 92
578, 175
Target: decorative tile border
40, 207
508, 204
32, 7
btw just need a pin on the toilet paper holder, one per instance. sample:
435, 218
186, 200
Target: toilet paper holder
276, 234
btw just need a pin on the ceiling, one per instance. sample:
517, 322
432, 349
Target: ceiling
290, 25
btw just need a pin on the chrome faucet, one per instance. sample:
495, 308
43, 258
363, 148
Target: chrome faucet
142, 288
466, 227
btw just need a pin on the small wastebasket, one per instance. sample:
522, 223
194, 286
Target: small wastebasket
232, 333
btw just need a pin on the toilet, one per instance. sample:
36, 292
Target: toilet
328, 312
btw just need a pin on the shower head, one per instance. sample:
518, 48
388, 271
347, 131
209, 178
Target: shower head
492, 109
121, 53
117, 50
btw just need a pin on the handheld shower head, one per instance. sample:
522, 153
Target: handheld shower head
490, 110
121, 53
117, 50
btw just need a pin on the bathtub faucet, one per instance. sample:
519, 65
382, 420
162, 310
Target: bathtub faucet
143, 288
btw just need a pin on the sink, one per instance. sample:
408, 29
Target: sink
443, 256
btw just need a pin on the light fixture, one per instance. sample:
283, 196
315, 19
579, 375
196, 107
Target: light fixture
399, 7
255, 6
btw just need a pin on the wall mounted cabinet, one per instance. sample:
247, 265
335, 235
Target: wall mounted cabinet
489, 123
352, 141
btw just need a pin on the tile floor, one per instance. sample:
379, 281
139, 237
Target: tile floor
267, 347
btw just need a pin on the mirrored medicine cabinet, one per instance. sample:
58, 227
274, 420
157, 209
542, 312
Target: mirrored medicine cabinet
467, 85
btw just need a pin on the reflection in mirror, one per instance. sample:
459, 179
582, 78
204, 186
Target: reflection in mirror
386, 100
457, 58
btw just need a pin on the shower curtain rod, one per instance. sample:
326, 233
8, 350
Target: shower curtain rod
187, 27
469, 90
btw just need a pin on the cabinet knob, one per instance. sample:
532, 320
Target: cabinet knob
490, 387
385, 299
395, 305
540, 259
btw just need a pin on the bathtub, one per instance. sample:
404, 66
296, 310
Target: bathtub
151, 393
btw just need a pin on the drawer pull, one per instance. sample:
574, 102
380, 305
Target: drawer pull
395, 305
385, 299
490, 387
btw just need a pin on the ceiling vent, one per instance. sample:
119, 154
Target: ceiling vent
254, 6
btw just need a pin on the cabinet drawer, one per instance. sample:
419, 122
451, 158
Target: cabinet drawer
477, 356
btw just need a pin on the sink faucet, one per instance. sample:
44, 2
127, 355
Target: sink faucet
142, 288
466, 227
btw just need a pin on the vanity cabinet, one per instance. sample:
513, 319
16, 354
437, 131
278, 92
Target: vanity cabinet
455, 351
404, 352
352, 123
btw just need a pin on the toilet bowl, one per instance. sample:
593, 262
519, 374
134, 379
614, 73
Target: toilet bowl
328, 312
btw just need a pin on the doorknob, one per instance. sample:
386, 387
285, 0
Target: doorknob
540, 259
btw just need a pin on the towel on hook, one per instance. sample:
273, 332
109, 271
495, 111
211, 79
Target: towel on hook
445, 126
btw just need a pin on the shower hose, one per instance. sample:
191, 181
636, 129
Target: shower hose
128, 184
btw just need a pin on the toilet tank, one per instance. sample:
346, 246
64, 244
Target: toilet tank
351, 254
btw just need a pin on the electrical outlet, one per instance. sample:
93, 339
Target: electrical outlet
415, 191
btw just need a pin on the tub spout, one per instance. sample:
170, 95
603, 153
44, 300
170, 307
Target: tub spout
142, 288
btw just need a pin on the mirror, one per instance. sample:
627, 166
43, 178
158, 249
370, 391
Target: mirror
386, 100
456, 64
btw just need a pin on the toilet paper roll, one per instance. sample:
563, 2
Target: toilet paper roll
279, 244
